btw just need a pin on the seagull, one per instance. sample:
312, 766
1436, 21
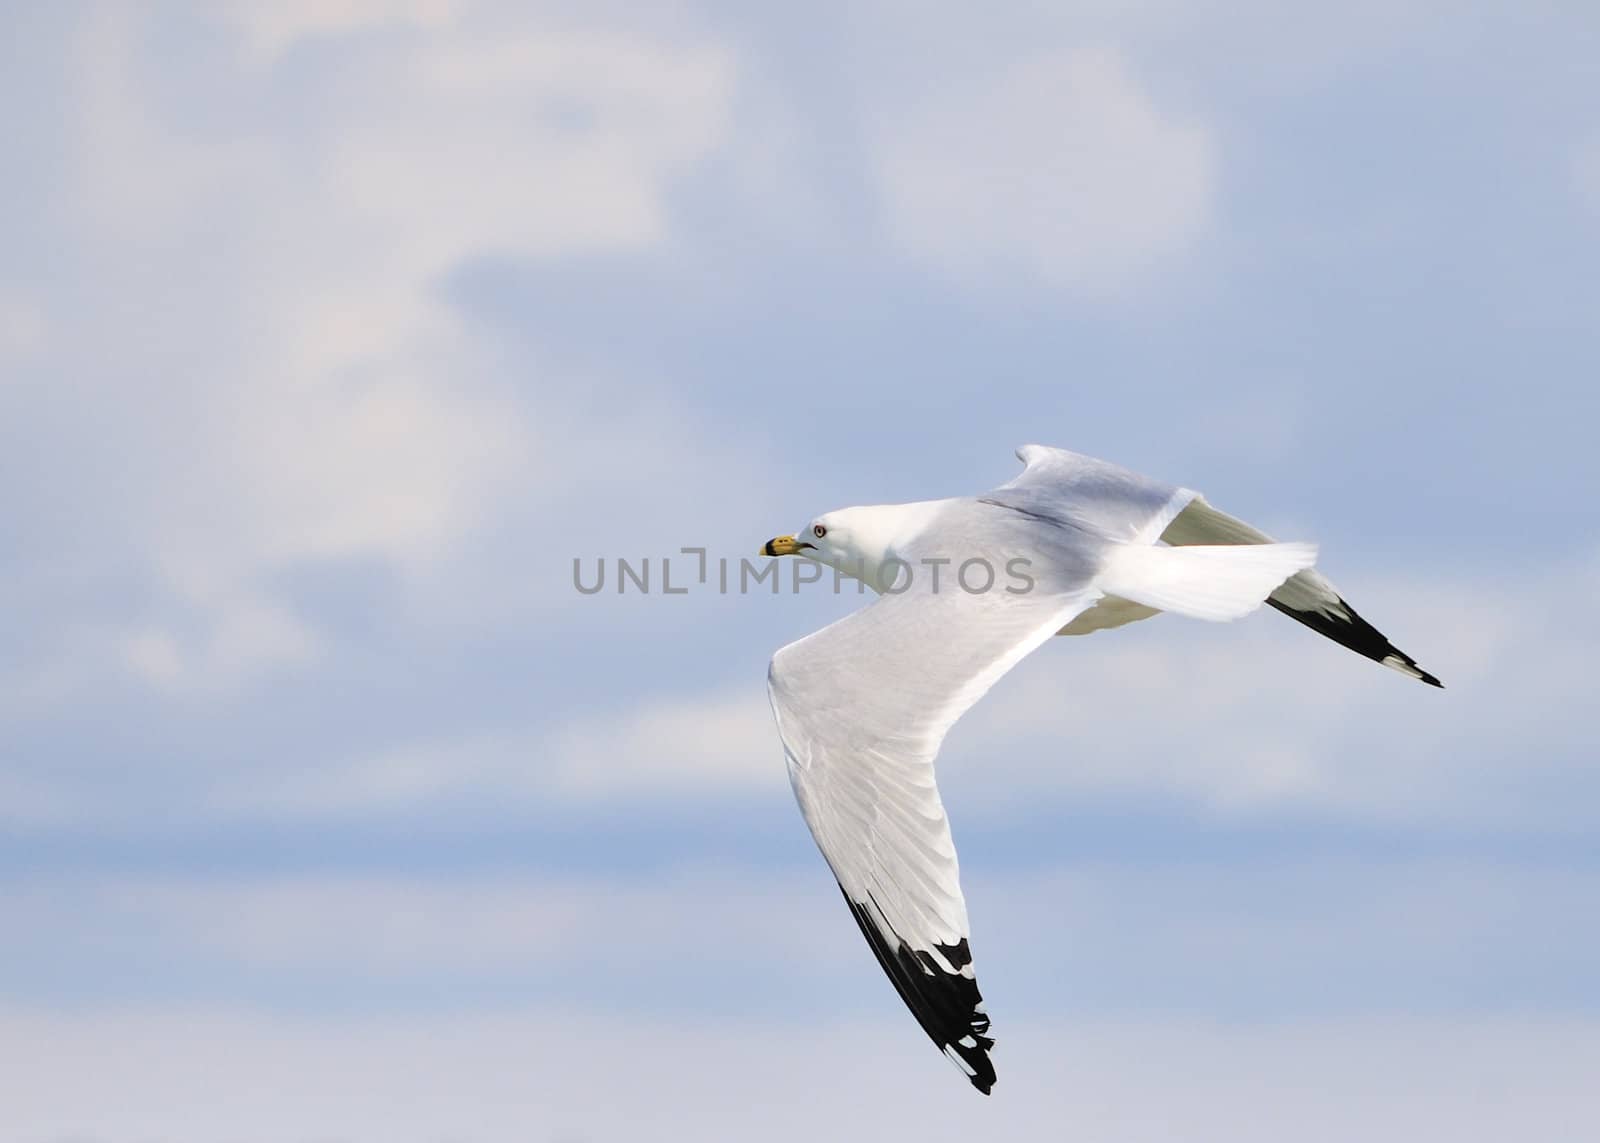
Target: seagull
967, 588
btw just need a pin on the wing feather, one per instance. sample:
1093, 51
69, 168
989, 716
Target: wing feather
1306, 597
862, 707
1104, 498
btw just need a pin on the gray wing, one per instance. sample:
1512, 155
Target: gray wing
862, 707
1100, 497
1307, 596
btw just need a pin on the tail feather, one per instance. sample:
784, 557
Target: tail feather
1215, 582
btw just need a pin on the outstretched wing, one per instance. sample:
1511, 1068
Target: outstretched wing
1307, 596
862, 707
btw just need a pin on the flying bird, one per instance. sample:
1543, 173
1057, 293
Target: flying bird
968, 587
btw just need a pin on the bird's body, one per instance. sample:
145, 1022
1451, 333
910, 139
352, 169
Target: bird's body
968, 588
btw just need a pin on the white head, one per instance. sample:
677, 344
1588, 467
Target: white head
855, 541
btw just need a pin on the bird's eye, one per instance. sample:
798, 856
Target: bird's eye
818, 531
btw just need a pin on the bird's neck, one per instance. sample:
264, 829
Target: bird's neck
878, 534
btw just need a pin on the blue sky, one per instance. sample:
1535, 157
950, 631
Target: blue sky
332, 333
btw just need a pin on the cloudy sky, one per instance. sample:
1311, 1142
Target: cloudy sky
332, 333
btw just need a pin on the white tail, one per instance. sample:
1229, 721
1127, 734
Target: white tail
1205, 582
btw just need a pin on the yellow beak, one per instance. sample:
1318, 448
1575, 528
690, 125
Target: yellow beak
780, 546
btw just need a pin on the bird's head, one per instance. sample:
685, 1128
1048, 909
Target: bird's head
848, 539
823, 539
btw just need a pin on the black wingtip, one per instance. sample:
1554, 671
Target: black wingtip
973, 1058
947, 1004
1406, 665
1345, 626
984, 1083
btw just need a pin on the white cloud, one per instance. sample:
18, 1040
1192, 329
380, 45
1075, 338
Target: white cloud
1248, 718
1061, 166
338, 408
721, 743
509, 924
724, 742
1297, 936
1254, 719
271, 28
1264, 716
373, 925
249, 634
1103, 981
561, 1075
1259, 717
